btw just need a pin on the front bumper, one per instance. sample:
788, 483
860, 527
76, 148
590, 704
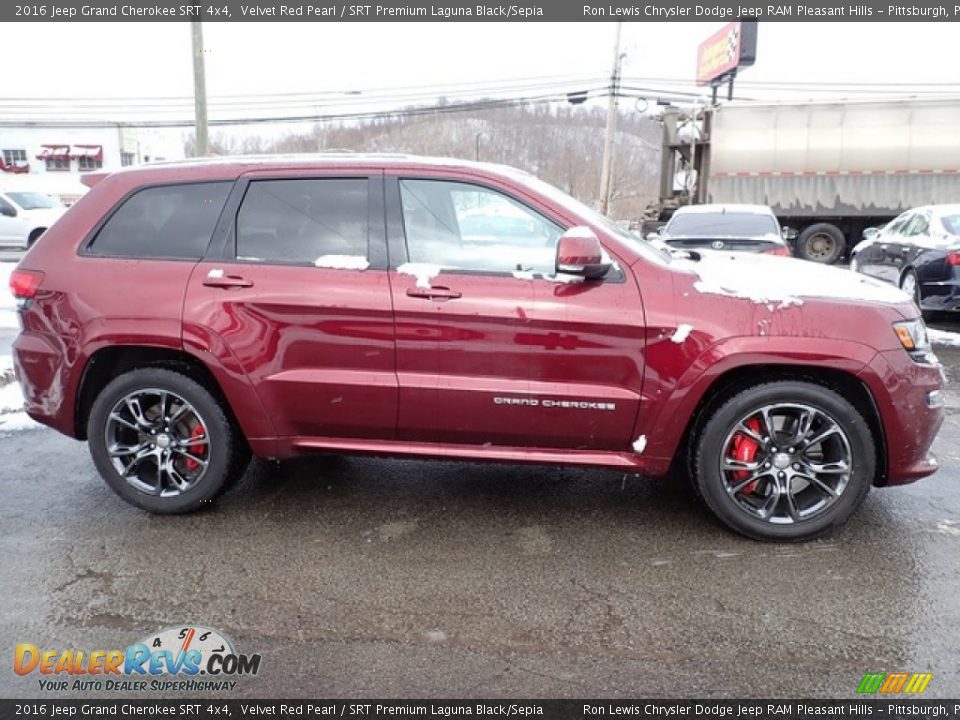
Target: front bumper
906, 394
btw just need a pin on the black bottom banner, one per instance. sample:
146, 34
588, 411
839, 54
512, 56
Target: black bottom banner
661, 709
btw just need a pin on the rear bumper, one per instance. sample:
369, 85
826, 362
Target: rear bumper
40, 369
910, 410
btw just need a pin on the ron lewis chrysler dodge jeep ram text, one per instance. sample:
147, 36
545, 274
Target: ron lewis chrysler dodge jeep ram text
181, 316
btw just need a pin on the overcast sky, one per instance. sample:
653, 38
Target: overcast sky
59, 60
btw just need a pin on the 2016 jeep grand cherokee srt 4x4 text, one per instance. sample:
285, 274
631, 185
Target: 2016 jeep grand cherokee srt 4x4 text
181, 316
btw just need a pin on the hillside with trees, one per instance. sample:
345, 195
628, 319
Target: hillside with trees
560, 144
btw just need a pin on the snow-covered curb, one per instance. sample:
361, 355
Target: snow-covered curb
12, 415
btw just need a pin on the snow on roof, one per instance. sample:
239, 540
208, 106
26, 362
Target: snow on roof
725, 208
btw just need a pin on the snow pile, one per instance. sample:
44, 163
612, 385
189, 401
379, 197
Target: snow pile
783, 281
12, 415
943, 337
342, 262
682, 333
8, 313
423, 272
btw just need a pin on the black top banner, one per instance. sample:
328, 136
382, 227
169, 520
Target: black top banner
872, 708
465, 11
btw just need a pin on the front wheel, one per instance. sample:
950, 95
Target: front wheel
162, 442
785, 461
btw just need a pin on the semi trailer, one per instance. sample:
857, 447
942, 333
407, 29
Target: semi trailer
828, 169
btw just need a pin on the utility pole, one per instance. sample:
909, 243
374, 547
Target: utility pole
199, 90
607, 170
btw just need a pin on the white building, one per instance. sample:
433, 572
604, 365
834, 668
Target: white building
52, 159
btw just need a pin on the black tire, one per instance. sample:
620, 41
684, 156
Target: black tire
34, 236
710, 445
822, 243
906, 278
226, 453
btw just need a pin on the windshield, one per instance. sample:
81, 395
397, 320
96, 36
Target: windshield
33, 200
632, 239
726, 224
951, 223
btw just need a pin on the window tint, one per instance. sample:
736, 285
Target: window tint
917, 226
466, 227
172, 221
951, 223
299, 221
897, 225
721, 224
7, 207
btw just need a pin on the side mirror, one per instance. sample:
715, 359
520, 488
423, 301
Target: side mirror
8, 211
579, 253
870, 233
788, 233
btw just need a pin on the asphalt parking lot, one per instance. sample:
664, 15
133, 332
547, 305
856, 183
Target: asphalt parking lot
365, 577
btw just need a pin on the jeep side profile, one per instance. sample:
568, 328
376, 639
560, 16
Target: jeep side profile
183, 316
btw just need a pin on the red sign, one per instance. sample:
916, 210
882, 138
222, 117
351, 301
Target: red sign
725, 51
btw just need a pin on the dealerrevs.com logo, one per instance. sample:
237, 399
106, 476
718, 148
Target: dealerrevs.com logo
187, 658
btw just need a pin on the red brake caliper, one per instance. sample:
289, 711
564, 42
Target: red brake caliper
745, 450
197, 432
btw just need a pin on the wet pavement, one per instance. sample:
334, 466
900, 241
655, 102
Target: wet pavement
367, 577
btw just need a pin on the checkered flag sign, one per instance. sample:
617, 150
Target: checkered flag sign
733, 41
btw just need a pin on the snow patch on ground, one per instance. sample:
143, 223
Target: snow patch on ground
781, 282
342, 262
682, 333
640, 444
12, 415
943, 337
8, 312
423, 272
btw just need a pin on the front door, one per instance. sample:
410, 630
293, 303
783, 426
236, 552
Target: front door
298, 300
491, 348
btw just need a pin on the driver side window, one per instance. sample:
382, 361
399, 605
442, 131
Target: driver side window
460, 226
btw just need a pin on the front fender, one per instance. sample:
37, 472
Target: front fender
669, 405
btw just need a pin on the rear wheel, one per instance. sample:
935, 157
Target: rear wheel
784, 461
822, 243
162, 442
34, 236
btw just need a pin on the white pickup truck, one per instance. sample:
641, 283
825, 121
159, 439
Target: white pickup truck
24, 215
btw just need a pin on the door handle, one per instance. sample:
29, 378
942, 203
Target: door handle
434, 293
227, 281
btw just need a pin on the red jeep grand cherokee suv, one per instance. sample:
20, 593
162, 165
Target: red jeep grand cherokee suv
181, 316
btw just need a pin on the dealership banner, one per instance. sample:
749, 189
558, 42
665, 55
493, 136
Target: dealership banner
499, 708
442, 11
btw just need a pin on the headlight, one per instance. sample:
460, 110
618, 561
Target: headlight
913, 337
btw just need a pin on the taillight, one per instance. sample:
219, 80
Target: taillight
953, 257
779, 250
25, 283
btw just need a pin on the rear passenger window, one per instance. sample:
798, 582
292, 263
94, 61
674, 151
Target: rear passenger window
169, 221
303, 221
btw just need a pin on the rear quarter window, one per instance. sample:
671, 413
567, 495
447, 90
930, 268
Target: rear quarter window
169, 221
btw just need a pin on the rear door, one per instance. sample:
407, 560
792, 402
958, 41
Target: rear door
489, 351
297, 298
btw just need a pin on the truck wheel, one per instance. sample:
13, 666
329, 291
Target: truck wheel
822, 243
784, 461
163, 442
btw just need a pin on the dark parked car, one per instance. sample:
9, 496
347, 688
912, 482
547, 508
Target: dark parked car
182, 316
734, 228
920, 252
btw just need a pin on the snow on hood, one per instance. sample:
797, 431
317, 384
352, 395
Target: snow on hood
785, 281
